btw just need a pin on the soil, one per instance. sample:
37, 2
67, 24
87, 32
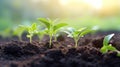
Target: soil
15, 53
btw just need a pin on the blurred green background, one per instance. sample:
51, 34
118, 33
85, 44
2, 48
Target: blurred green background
77, 13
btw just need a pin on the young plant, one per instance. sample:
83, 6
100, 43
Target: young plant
51, 28
6, 33
19, 31
76, 34
41, 34
108, 47
32, 30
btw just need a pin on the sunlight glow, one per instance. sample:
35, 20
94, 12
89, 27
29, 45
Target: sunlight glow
64, 2
97, 4
35, 1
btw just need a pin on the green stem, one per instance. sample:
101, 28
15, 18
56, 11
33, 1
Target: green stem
76, 43
50, 42
40, 38
20, 38
55, 38
30, 39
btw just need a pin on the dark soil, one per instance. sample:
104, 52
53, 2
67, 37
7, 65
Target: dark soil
61, 54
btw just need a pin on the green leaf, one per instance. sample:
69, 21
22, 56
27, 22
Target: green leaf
71, 30
19, 30
24, 27
118, 53
76, 33
81, 29
107, 39
45, 21
28, 36
69, 34
34, 26
6, 33
85, 31
32, 29
104, 49
58, 26
110, 47
106, 45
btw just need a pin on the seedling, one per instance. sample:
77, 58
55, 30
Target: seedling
6, 33
77, 34
32, 30
19, 31
51, 28
108, 47
41, 34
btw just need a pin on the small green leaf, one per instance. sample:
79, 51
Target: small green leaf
81, 29
71, 30
28, 36
106, 45
104, 49
34, 26
24, 27
118, 53
76, 34
45, 21
19, 30
85, 31
6, 33
69, 34
107, 39
110, 47
58, 26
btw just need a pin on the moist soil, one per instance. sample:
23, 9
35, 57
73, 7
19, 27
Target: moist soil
15, 53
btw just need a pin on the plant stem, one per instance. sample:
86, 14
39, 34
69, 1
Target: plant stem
76, 43
55, 38
31, 35
31, 39
40, 38
50, 42
20, 38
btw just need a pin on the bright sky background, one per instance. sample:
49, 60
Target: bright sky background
28, 10
97, 4
75, 6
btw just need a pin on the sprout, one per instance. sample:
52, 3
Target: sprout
6, 33
19, 31
76, 34
51, 28
108, 47
41, 34
32, 30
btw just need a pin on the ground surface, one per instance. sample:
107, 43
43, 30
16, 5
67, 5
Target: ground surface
37, 54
